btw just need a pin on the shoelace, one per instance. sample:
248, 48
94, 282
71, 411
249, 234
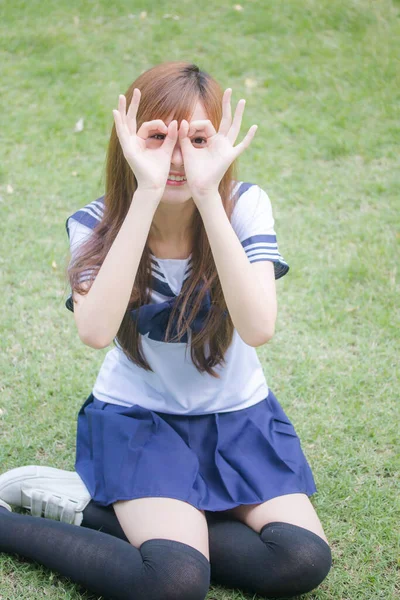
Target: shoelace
50, 506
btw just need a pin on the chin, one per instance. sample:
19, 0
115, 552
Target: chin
174, 197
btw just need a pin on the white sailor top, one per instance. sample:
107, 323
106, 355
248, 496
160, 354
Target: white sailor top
174, 385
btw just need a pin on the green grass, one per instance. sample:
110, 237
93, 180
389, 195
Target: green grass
326, 101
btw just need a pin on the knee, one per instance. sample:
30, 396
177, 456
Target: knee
305, 558
174, 571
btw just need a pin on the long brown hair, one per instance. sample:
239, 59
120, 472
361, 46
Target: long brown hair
168, 89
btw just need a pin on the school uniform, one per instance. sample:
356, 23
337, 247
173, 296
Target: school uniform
177, 433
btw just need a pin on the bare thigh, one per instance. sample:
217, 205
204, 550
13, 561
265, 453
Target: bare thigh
145, 519
291, 508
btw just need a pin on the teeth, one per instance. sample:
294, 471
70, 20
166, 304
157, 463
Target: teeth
176, 178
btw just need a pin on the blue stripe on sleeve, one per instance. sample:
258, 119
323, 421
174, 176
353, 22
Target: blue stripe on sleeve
85, 218
255, 239
244, 187
273, 249
280, 266
264, 256
90, 215
265, 247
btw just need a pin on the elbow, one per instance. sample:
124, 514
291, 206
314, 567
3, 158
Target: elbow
92, 334
93, 341
262, 337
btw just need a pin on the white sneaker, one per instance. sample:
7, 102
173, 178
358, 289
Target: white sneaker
5, 505
46, 492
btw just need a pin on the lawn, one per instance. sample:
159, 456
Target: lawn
322, 81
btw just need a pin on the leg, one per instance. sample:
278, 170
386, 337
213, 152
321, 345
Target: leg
160, 569
62, 496
103, 518
163, 518
292, 508
239, 556
277, 549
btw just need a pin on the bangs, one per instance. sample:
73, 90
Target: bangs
177, 104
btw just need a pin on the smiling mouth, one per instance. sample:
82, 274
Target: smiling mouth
176, 178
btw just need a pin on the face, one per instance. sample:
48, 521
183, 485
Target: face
177, 192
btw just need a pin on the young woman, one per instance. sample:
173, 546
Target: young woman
181, 437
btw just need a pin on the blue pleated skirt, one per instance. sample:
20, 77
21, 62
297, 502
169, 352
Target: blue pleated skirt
214, 462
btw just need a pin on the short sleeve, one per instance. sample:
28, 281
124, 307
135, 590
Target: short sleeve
253, 222
78, 234
80, 227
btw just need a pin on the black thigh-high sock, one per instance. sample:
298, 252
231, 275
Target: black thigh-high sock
161, 569
102, 518
282, 561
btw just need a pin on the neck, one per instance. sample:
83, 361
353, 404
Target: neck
173, 224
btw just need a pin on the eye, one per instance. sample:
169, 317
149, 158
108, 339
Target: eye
158, 136
199, 140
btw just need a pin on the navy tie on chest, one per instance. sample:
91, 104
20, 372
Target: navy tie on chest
152, 319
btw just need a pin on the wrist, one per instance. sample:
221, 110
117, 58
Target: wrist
207, 198
149, 194
206, 193
150, 187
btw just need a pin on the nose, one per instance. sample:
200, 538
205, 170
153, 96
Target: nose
177, 157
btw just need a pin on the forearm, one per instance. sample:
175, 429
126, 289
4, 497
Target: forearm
99, 313
251, 303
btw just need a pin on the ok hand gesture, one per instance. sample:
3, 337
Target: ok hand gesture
149, 165
205, 166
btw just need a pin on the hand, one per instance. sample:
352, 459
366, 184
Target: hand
205, 166
149, 165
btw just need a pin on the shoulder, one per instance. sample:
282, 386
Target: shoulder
81, 223
252, 207
246, 189
89, 216
250, 198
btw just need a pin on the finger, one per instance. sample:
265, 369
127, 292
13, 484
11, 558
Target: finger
172, 136
204, 125
184, 135
122, 108
132, 110
246, 142
133, 107
119, 126
226, 120
157, 125
237, 122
